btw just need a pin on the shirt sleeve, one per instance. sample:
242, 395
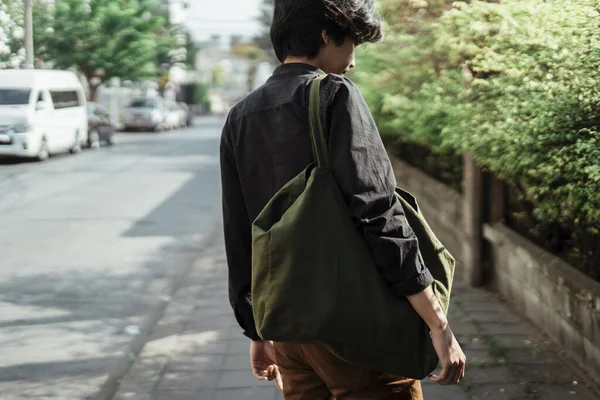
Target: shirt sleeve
366, 178
238, 240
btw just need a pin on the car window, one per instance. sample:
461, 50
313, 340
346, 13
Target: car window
143, 103
14, 97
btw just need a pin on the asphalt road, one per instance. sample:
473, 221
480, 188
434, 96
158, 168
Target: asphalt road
87, 243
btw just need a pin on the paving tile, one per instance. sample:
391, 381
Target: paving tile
195, 362
239, 379
183, 395
503, 391
472, 296
470, 342
439, 392
131, 395
507, 328
532, 355
255, 393
186, 381
513, 341
236, 363
203, 313
564, 392
201, 343
144, 374
481, 357
238, 346
212, 302
492, 306
235, 332
550, 373
212, 292
207, 323
494, 316
461, 325
478, 375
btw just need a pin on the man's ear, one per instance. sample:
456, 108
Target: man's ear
324, 37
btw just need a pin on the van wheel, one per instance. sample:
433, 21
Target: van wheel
76, 146
43, 153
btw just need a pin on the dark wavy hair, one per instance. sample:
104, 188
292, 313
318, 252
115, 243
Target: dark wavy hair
297, 25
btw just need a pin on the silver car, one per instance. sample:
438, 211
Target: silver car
146, 113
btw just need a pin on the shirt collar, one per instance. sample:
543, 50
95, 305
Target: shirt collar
294, 69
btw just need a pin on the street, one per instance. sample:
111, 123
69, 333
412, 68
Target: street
88, 244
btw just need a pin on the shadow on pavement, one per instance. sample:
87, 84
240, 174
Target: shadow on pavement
189, 211
56, 320
52, 370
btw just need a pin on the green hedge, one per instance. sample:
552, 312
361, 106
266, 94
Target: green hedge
516, 83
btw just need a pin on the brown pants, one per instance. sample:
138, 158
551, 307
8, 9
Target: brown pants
310, 372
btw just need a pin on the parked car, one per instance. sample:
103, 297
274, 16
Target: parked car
42, 112
175, 117
100, 129
188, 113
146, 113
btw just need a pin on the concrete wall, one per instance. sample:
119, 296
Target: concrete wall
441, 205
562, 301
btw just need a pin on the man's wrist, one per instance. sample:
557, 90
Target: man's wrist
441, 324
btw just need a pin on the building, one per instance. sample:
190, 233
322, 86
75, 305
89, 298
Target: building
216, 54
174, 10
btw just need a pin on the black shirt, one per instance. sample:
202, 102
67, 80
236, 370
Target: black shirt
266, 142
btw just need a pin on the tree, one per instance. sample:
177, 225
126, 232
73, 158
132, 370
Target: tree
12, 34
168, 50
12, 53
192, 50
218, 75
235, 40
253, 54
513, 82
106, 38
263, 39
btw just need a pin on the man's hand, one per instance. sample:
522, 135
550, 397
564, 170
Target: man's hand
452, 358
262, 359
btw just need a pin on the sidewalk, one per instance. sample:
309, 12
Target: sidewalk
198, 352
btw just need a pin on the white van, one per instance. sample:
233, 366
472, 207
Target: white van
42, 112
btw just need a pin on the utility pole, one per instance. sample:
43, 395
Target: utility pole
28, 35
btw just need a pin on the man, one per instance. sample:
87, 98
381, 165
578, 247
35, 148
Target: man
266, 143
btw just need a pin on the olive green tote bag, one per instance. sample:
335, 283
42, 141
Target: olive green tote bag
314, 279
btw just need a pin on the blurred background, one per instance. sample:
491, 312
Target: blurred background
110, 120
189, 51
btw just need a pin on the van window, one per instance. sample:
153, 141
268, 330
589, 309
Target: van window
14, 97
64, 99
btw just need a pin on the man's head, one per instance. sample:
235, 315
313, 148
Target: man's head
323, 31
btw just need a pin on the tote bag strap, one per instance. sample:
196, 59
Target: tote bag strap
319, 144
